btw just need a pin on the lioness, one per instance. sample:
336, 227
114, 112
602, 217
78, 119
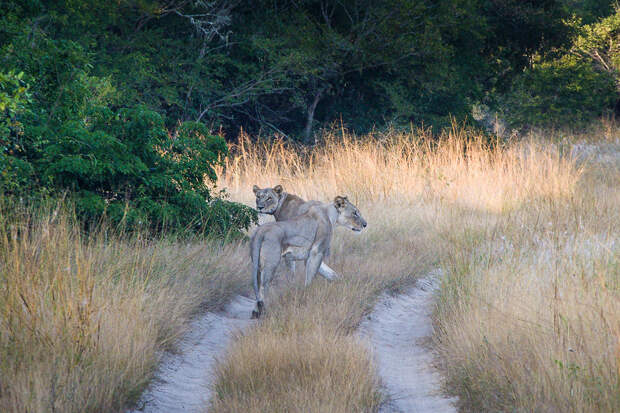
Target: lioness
284, 206
305, 237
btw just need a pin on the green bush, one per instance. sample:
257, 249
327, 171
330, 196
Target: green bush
14, 172
572, 86
66, 131
121, 165
561, 92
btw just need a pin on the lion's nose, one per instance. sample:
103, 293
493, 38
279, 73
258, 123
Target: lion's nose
364, 224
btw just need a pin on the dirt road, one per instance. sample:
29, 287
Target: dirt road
399, 329
183, 381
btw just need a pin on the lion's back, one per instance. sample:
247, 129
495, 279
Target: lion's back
293, 207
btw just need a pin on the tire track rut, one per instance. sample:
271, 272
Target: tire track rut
183, 380
398, 330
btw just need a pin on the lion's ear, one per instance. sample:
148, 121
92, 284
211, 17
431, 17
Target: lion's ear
255, 188
278, 189
340, 201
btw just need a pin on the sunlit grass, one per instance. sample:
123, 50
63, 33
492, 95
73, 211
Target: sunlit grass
84, 319
525, 233
528, 316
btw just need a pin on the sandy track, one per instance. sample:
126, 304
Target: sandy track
183, 381
398, 330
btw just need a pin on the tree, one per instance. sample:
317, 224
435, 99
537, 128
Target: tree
574, 85
287, 66
599, 45
71, 131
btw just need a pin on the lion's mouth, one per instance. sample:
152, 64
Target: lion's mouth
265, 210
356, 229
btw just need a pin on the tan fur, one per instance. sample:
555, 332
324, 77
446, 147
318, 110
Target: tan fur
306, 237
284, 206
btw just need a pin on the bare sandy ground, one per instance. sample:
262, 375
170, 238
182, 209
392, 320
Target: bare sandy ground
398, 330
183, 381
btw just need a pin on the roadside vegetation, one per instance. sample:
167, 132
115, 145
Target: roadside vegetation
525, 233
84, 318
529, 313
131, 133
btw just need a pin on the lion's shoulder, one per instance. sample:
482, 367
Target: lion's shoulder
292, 206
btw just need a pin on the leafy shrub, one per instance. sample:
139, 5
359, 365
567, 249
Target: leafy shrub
66, 130
124, 166
577, 85
121, 165
565, 91
14, 95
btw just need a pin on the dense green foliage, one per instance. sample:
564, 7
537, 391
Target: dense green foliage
287, 66
65, 131
562, 92
114, 103
575, 85
14, 172
123, 165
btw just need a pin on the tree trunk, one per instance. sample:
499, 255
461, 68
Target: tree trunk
310, 119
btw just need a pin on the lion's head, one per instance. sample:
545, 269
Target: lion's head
348, 214
267, 199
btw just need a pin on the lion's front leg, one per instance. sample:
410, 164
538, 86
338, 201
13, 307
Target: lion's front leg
327, 272
312, 266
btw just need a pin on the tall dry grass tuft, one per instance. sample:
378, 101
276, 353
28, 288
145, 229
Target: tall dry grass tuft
529, 315
525, 232
83, 319
460, 167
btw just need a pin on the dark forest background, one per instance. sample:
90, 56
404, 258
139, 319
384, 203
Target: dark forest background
124, 106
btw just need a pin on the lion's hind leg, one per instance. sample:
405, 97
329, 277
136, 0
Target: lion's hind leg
269, 261
258, 292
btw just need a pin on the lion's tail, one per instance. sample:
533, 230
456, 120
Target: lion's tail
255, 247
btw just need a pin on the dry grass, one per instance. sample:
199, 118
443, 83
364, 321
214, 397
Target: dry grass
83, 320
304, 355
528, 316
